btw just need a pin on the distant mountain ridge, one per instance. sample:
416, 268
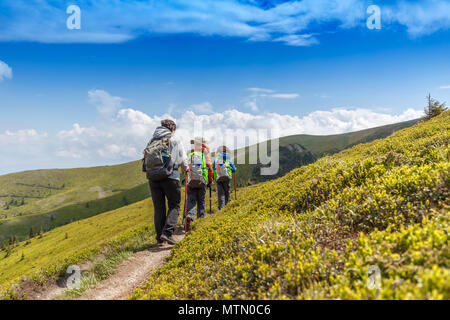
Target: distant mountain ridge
299, 150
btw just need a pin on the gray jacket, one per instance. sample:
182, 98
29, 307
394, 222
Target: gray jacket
177, 151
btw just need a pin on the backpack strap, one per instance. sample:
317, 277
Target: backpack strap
168, 136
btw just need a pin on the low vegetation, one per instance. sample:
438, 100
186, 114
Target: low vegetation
47, 256
323, 230
299, 150
107, 238
29, 226
41, 191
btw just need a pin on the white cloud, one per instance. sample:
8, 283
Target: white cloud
252, 105
290, 22
26, 148
260, 90
298, 40
444, 87
419, 17
203, 108
285, 95
104, 102
5, 71
124, 135
258, 95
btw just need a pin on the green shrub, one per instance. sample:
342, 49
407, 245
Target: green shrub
314, 233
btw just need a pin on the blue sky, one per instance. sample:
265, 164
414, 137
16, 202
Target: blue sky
303, 61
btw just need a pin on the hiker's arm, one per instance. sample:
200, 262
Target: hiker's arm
209, 164
183, 162
233, 168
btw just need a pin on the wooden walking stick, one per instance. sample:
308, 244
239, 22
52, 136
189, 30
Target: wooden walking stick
210, 195
234, 179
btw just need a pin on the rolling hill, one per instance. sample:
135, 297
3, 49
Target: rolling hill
43, 257
371, 222
22, 227
39, 191
33, 202
299, 150
106, 238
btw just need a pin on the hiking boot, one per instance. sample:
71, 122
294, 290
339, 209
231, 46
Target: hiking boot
160, 243
170, 240
188, 224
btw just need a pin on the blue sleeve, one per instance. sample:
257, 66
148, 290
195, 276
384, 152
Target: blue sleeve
233, 168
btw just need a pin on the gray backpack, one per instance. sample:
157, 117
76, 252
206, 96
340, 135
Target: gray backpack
222, 170
157, 159
197, 170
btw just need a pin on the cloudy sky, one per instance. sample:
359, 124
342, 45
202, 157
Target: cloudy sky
94, 95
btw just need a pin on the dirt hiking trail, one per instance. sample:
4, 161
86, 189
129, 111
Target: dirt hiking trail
130, 274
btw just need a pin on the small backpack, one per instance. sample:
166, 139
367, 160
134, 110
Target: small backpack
197, 168
157, 159
222, 170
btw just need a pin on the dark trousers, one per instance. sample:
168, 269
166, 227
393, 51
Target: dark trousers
196, 197
165, 222
223, 193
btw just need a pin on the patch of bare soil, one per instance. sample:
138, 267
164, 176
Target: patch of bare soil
51, 289
101, 192
130, 274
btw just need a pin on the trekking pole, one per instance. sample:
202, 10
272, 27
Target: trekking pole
210, 194
185, 203
234, 179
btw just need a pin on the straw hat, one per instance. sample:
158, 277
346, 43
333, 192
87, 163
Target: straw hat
199, 140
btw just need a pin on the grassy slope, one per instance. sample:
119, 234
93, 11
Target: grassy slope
130, 227
315, 232
314, 147
53, 252
20, 226
323, 145
47, 190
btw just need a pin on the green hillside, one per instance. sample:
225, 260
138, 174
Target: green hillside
116, 233
298, 150
51, 253
41, 191
37, 201
22, 227
317, 232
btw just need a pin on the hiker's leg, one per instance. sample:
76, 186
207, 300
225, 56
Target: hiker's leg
220, 194
191, 201
201, 202
159, 206
226, 187
172, 190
